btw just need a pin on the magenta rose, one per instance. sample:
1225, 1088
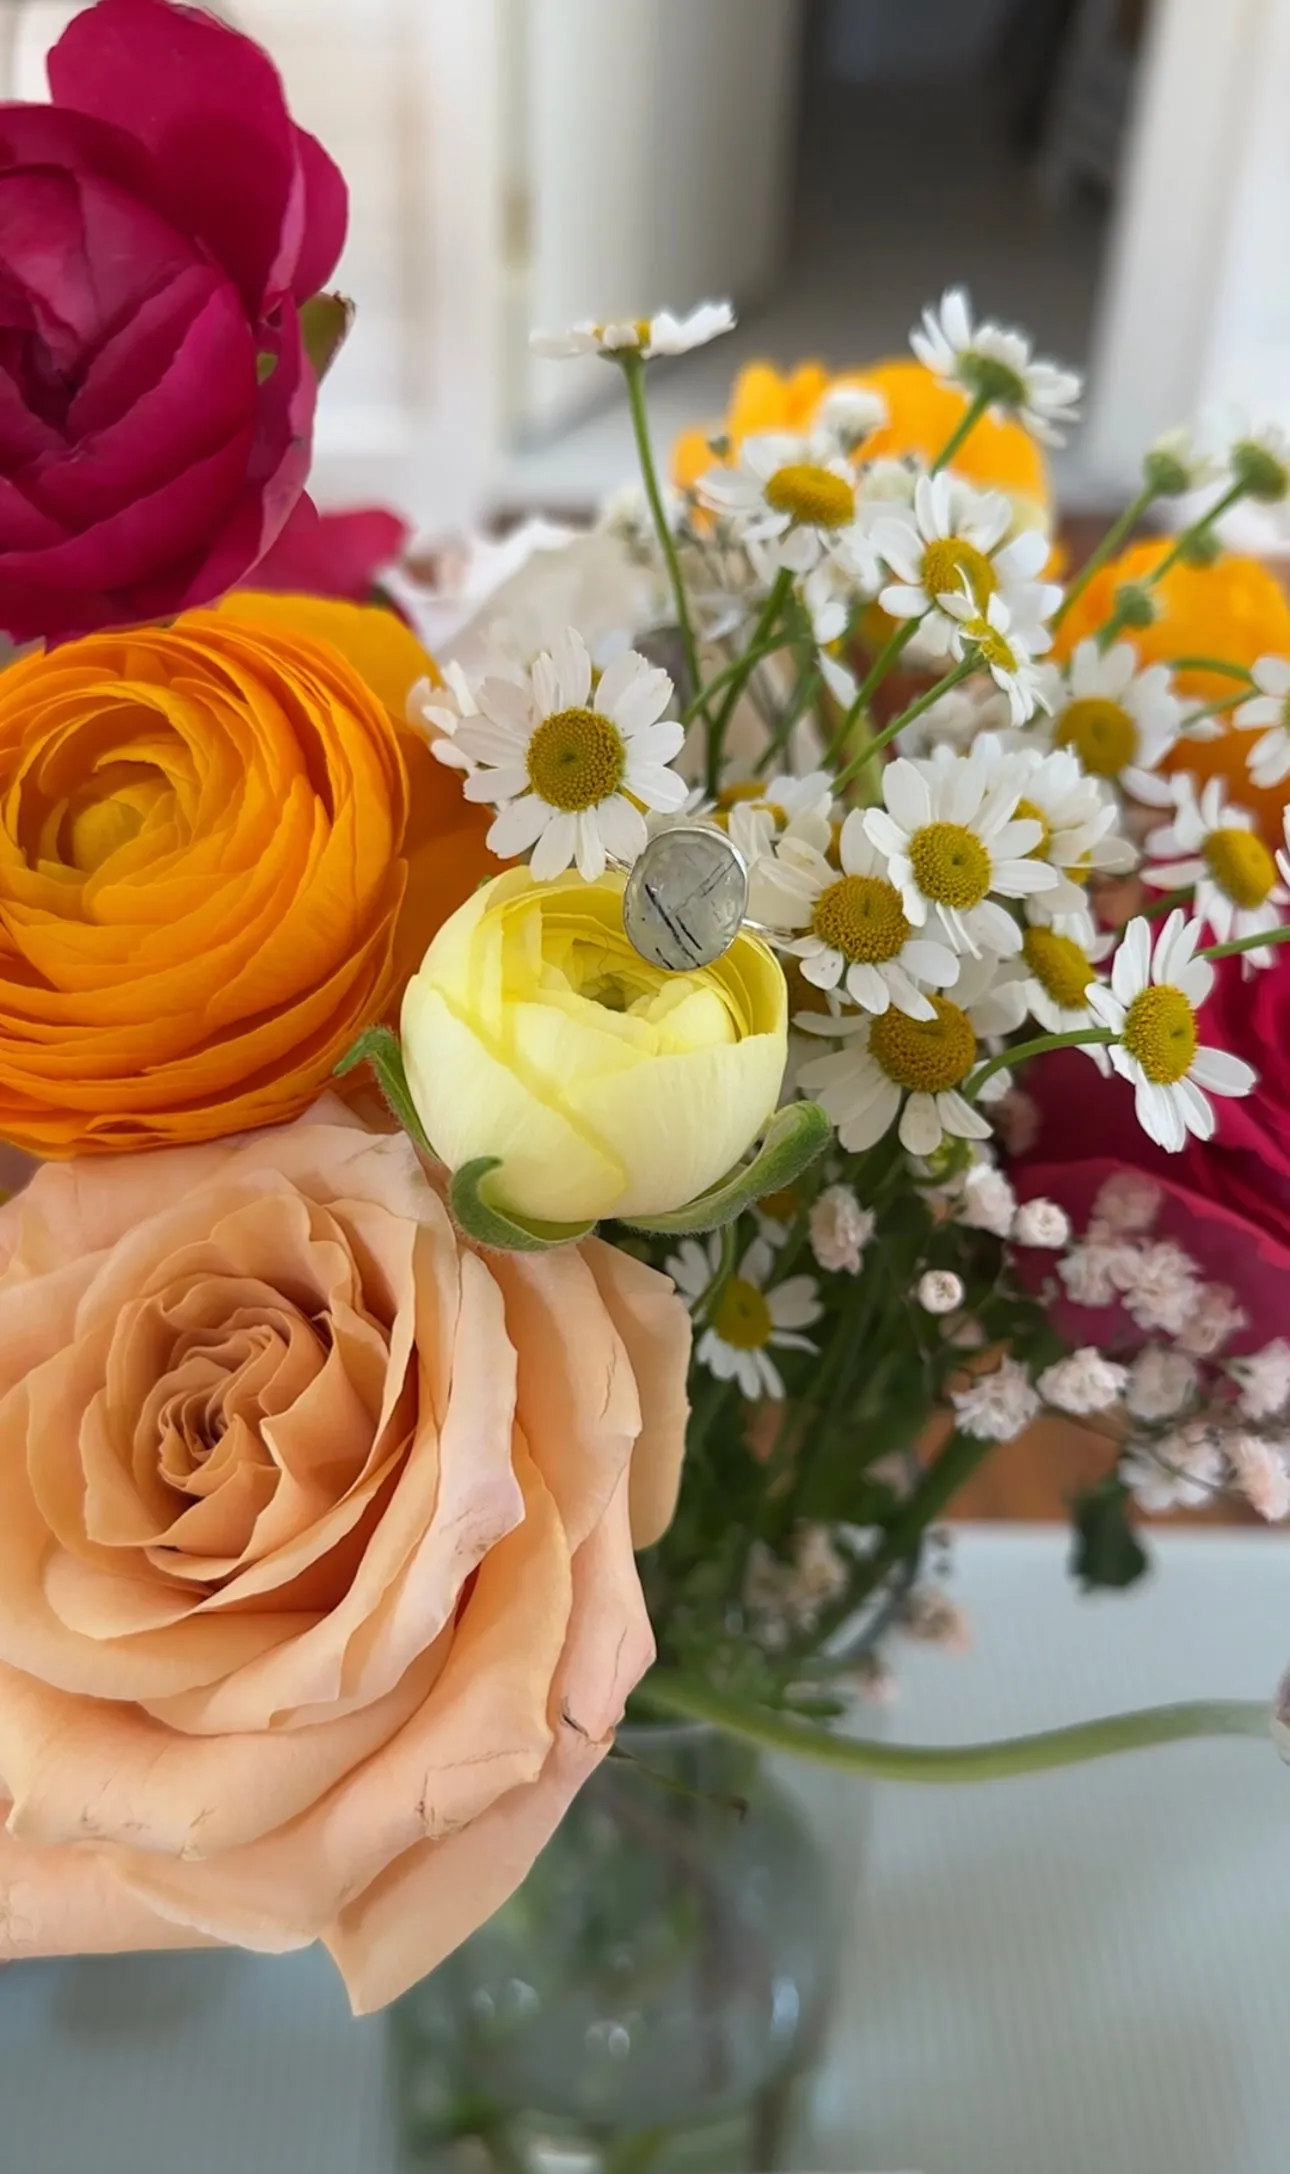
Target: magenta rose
333, 554
1250, 1015
163, 219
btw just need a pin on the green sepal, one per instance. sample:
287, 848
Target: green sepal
794, 1137
492, 1226
1107, 1554
325, 320
379, 1047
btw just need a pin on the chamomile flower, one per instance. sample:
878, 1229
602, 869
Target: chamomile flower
1268, 761
438, 711
992, 640
752, 1316
989, 359
1151, 1006
1060, 969
952, 539
1077, 815
953, 841
893, 1068
1217, 850
664, 334
1121, 722
559, 759
858, 938
1179, 461
791, 502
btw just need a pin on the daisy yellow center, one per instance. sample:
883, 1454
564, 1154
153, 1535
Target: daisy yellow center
862, 917
950, 864
1058, 965
1160, 1031
747, 793
1027, 812
950, 561
928, 1056
576, 759
1241, 865
1102, 734
742, 1318
812, 495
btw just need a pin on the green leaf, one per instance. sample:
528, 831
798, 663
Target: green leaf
1108, 1554
494, 1226
379, 1047
265, 365
794, 1137
325, 320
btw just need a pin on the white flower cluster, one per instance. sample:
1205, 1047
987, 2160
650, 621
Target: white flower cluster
1196, 1420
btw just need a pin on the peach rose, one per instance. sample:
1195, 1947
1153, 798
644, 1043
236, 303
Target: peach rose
221, 854
317, 1592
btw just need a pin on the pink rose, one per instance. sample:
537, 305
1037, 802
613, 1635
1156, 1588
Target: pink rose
333, 554
163, 220
1250, 1015
317, 1592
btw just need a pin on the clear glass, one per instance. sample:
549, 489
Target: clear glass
655, 1993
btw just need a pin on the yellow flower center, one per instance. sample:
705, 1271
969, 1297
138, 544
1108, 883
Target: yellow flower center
950, 864
1058, 965
812, 495
1102, 734
1027, 812
862, 917
1160, 1031
576, 759
748, 793
949, 562
1241, 865
928, 1056
742, 1317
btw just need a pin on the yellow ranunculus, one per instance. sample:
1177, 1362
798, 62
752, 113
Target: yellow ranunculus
535, 1032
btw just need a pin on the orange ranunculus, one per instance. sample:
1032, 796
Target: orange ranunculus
317, 1590
221, 853
997, 455
1235, 609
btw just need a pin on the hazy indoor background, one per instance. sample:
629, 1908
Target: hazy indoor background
1114, 174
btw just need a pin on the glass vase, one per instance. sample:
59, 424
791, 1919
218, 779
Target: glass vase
654, 1995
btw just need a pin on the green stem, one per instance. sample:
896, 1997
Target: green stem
729, 1235
808, 686
679, 1694
899, 639
962, 430
906, 717
1212, 664
1247, 943
633, 369
1077, 1038
745, 665
1097, 558
736, 666
936, 1489
1182, 544
1214, 709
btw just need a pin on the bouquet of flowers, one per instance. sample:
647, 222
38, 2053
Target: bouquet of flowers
822, 973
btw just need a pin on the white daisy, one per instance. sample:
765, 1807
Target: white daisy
953, 538
792, 502
1121, 722
1060, 969
858, 938
893, 1067
1268, 761
1217, 850
749, 1320
951, 835
990, 359
1151, 1007
664, 334
758, 812
437, 710
1078, 815
558, 758
990, 638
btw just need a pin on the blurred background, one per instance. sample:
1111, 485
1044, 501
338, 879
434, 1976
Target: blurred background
1113, 174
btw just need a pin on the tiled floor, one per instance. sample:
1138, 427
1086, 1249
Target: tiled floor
899, 194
